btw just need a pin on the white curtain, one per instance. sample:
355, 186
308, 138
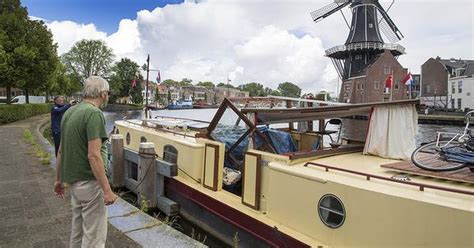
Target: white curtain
392, 131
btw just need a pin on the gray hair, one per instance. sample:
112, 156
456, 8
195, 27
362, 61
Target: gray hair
93, 86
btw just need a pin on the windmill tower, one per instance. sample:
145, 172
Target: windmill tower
364, 43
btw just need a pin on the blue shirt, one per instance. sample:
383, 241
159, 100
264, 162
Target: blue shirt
56, 115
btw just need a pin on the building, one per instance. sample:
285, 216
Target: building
227, 92
435, 73
369, 84
461, 87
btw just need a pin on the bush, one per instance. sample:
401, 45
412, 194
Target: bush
16, 112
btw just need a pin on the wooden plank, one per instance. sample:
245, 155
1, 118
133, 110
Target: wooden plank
461, 175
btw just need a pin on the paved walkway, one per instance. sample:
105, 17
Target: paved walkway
30, 215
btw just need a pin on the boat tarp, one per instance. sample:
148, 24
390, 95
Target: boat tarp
281, 141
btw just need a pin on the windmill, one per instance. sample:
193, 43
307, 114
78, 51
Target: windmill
364, 41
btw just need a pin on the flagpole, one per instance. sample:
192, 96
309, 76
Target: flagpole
146, 91
391, 88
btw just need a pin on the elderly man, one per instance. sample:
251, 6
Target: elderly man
81, 165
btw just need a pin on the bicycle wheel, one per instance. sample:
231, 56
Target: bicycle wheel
428, 157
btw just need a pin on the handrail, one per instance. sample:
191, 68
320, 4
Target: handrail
368, 176
161, 129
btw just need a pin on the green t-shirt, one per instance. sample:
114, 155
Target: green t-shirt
80, 124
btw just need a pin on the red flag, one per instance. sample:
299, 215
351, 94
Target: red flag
389, 81
134, 83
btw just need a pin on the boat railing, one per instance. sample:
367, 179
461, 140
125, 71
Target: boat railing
420, 186
179, 118
162, 129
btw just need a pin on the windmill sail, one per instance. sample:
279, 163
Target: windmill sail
327, 10
387, 26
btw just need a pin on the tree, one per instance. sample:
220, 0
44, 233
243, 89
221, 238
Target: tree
13, 29
170, 82
88, 58
226, 85
207, 84
41, 60
290, 90
254, 89
136, 92
123, 74
186, 82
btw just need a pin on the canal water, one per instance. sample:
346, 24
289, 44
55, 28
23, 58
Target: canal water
351, 128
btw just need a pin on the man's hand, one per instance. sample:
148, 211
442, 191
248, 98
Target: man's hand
109, 198
58, 189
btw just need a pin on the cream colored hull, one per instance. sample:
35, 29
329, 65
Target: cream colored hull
377, 213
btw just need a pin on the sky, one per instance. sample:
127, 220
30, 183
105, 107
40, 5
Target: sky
264, 41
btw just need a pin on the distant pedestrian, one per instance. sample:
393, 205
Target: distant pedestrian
81, 164
57, 112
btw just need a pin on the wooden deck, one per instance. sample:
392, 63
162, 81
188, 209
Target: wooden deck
461, 175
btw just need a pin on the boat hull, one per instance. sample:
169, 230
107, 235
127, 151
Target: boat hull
225, 222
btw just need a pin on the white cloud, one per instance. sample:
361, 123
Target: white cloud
269, 41
66, 33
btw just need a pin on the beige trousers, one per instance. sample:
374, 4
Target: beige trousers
89, 215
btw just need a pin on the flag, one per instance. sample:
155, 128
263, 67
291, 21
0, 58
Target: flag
408, 79
389, 81
158, 78
134, 83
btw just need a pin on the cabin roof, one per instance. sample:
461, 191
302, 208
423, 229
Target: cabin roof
281, 115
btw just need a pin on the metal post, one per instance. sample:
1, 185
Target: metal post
146, 91
147, 190
118, 166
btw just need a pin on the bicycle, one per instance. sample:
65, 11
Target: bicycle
447, 154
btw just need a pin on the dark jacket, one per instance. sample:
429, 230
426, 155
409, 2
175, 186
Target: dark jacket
57, 112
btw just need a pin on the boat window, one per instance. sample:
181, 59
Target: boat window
117, 131
331, 211
142, 139
170, 154
127, 139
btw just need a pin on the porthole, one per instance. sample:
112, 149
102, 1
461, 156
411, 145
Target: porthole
142, 139
127, 139
331, 211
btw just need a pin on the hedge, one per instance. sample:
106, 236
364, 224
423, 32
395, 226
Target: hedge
15, 112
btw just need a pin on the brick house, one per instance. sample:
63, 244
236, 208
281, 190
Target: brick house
369, 85
435, 73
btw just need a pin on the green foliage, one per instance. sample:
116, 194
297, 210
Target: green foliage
226, 85
16, 112
183, 82
28, 56
186, 82
136, 93
123, 73
143, 203
323, 96
88, 58
207, 84
37, 150
290, 90
170, 82
47, 134
254, 89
